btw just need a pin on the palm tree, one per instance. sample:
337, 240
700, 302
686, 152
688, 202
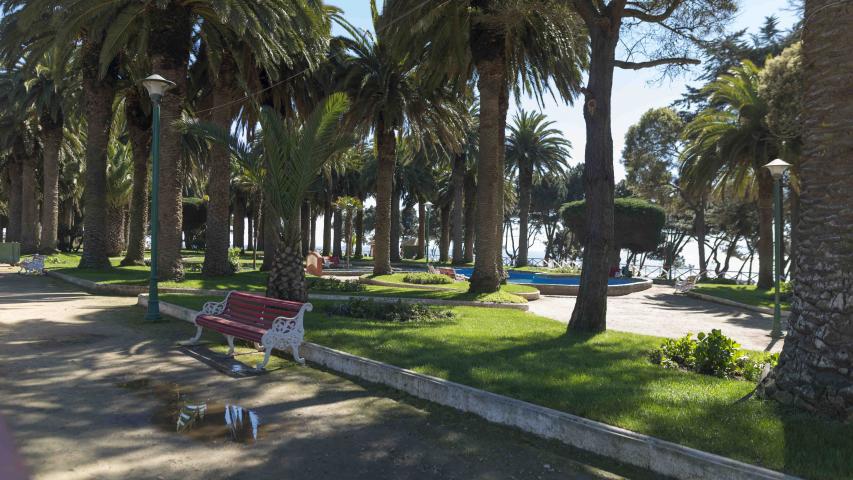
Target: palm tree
388, 96
533, 147
514, 46
138, 126
814, 367
728, 145
119, 189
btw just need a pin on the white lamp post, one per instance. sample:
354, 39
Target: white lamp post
427, 206
777, 169
156, 86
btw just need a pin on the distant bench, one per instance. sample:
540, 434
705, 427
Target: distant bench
269, 322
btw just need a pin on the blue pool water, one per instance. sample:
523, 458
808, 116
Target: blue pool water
547, 279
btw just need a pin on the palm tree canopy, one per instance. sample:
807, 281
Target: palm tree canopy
533, 143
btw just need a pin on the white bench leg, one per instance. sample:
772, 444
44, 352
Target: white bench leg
230, 340
194, 340
294, 347
267, 353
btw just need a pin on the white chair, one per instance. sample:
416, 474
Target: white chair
33, 266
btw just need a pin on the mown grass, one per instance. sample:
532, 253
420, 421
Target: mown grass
505, 295
605, 377
748, 294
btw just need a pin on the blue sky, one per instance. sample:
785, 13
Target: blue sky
633, 92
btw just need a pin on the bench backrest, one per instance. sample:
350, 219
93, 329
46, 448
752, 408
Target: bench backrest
258, 310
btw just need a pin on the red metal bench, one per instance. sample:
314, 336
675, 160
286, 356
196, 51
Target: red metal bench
268, 321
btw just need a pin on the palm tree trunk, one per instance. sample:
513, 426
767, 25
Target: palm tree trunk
386, 158
765, 230
97, 104
29, 206
470, 217
590, 313
525, 184
457, 183
359, 233
314, 215
337, 234
488, 50
219, 183
51, 138
814, 370
327, 227
421, 230
115, 230
444, 237
238, 225
287, 275
395, 224
250, 226
700, 229
169, 43
138, 127
305, 228
13, 173
272, 237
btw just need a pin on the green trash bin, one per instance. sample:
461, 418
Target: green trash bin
10, 253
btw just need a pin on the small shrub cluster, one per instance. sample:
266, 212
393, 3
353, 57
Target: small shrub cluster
234, 259
427, 279
567, 269
710, 354
389, 312
334, 285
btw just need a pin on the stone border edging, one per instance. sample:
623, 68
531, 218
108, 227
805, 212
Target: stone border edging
660, 456
135, 290
530, 296
732, 303
612, 290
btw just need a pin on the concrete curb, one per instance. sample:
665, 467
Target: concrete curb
612, 290
659, 456
134, 290
732, 303
372, 281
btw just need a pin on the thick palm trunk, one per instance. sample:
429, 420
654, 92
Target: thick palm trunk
287, 275
29, 206
470, 217
590, 313
305, 228
700, 230
487, 47
169, 42
815, 370
238, 225
314, 216
97, 105
217, 234
444, 237
421, 230
250, 227
51, 138
765, 230
386, 157
13, 234
337, 234
327, 228
138, 128
525, 184
359, 233
115, 230
457, 183
272, 237
395, 224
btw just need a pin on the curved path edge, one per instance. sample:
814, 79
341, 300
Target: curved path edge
732, 303
660, 456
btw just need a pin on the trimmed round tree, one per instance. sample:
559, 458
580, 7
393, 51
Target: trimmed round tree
637, 224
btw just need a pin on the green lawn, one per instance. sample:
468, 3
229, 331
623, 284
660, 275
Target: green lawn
747, 294
605, 377
505, 295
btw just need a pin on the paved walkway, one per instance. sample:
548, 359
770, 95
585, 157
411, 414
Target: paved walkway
659, 311
89, 390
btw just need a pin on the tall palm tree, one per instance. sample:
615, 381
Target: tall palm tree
389, 97
814, 367
533, 147
139, 136
529, 47
728, 146
119, 189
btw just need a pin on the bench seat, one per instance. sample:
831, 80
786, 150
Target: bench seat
270, 322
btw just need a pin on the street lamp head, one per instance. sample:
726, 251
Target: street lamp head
777, 167
157, 85
428, 204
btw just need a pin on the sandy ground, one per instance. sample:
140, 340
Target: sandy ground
90, 391
659, 311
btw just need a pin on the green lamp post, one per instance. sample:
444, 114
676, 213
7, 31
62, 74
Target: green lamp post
156, 86
777, 169
427, 207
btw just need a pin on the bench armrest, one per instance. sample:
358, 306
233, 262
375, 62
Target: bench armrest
214, 308
280, 324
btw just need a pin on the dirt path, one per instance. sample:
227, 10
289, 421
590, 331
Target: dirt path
90, 391
658, 311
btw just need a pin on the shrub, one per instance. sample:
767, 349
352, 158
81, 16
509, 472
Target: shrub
711, 354
719, 281
234, 259
333, 285
427, 279
389, 312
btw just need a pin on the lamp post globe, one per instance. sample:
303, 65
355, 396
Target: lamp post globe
777, 168
156, 87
